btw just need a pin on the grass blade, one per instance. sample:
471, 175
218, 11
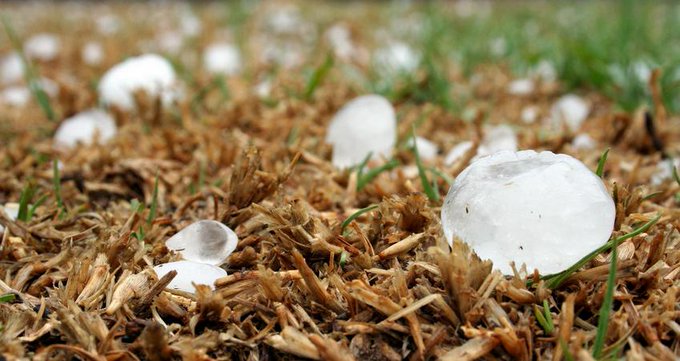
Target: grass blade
365, 178
675, 172
318, 76
355, 215
38, 203
24, 199
154, 203
603, 321
431, 193
8, 297
29, 73
601, 162
555, 280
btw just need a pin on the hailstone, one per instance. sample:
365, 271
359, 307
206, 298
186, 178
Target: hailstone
571, 110
189, 273
366, 125
222, 58
543, 209
82, 128
12, 211
205, 241
150, 73
43, 47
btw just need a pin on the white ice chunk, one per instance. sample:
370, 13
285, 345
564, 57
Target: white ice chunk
664, 171
457, 152
222, 58
543, 209
12, 211
521, 87
83, 127
529, 114
190, 272
340, 39
497, 138
205, 241
427, 150
170, 42
92, 53
107, 24
583, 142
571, 110
12, 68
545, 70
150, 73
42, 46
396, 57
16, 95
366, 124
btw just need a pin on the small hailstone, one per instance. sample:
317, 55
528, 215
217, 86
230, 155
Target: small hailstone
49, 87
366, 124
571, 110
642, 70
11, 68
43, 47
12, 211
583, 142
222, 58
498, 46
521, 87
92, 53
457, 152
107, 24
340, 40
529, 114
427, 150
190, 23
497, 138
664, 171
543, 209
170, 42
82, 128
150, 73
205, 241
190, 272
16, 95
263, 89
397, 57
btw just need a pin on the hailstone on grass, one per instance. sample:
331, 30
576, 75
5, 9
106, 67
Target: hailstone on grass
42, 46
150, 73
571, 110
457, 152
84, 127
427, 150
12, 211
396, 57
189, 273
11, 68
583, 142
521, 87
205, 241
366, 125
543, 209
15, 95
222, 58
92, 53
497, 138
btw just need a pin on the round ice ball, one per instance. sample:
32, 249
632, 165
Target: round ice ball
190, 273
543, 209
150, 73
82, 128
366, 124
205, 241
222, 58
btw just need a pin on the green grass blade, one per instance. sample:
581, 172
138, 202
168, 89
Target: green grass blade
367, 177
601, 162
540, 318
676, 177
24, 200
441, 175
603, 321
56, 182
8, 297
154, 203
555, 280
38, 203
318, 76
355, 215
548, 316
431, 193
29, 74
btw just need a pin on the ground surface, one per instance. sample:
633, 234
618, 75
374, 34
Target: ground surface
76, 280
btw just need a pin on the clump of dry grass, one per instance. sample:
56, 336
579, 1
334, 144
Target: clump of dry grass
387, 287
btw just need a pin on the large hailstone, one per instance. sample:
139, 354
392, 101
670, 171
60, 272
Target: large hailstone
222, 58
543, 209
366, 124
150, 73
190, 272
83, 127
205, 241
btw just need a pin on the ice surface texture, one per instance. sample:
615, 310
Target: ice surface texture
366, 124
543, 209
150, 73
206, 241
